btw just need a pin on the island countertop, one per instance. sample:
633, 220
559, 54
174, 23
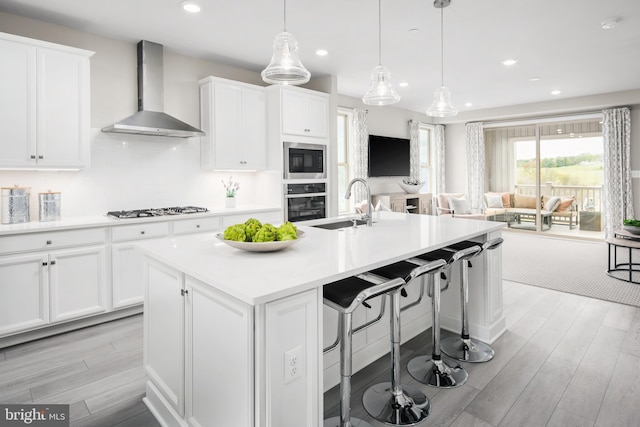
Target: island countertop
320, 257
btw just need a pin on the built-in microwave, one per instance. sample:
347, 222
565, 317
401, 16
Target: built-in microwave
305, 161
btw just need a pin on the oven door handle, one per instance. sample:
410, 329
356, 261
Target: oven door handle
294, 196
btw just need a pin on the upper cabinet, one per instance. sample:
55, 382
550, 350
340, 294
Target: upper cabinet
305, 114
45, 104
234, 117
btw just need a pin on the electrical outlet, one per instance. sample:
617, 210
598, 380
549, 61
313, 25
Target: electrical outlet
292, 364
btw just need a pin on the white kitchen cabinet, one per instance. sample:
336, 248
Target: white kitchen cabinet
45, 104
304, 113
49, 284
234, 117
24, 293
77, 283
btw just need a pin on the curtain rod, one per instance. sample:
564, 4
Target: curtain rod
534, 119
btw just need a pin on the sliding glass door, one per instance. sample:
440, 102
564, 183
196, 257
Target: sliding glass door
552, 173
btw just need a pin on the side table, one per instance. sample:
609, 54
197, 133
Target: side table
626, 240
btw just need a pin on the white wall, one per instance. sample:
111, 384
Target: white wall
129, 171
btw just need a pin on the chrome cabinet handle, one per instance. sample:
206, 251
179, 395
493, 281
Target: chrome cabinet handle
142, 232
33, 156
49, 242
53, 262
197, 225
41, 157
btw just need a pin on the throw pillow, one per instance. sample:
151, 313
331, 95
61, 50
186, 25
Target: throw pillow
459, 206
552, 204
565, 203
525, 201
495, 200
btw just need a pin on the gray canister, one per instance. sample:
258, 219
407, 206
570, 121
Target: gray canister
15, 204
49, 206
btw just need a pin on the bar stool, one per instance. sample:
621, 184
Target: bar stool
345, 296
435, 371
465, 348
392, 402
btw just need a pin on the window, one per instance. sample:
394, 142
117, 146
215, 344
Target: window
427, 172
345, 141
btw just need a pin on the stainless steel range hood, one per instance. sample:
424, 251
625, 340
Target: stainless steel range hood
150, 118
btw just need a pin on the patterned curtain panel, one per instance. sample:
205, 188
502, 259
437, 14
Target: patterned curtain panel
438, 140
618, 197
360, 153
414, 149
475, 166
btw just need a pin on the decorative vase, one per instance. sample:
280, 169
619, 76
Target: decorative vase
230, 202
411, 188
632, 229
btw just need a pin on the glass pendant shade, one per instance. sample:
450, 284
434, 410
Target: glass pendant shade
381, 92
442, 106
285, 67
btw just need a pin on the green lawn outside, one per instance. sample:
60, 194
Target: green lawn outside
586, 174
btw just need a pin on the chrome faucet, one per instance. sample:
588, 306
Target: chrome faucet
368, 216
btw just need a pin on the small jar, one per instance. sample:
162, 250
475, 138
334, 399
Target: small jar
15, 204
50, 204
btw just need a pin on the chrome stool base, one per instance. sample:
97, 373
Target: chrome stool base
466, 350
407, 408
436, 373
354, 422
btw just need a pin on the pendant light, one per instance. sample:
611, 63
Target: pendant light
285, 67
381, 92
442, 106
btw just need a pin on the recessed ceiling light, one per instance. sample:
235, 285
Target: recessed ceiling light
322, 52
414, 31
403, 84
534, 79
468, 104
556, 92
191, 6
509, 62
611, 23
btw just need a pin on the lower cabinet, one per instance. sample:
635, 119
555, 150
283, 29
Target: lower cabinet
213, 360
43, 288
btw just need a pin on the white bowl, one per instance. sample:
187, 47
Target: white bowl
411, 189
260, 246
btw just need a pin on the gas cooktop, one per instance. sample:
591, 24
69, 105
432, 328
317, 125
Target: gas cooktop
143, 213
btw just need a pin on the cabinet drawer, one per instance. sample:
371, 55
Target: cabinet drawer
140, 231
196, 225
51, 240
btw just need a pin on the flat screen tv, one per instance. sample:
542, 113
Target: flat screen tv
388, 156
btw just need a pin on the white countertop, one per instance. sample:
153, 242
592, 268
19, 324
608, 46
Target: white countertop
320, 257
104, 220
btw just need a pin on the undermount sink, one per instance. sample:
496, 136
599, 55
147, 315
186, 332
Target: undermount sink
339, 224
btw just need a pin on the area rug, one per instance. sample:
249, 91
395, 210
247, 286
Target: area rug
567, 265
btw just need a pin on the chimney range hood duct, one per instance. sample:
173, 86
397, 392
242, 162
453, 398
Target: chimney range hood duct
150, 118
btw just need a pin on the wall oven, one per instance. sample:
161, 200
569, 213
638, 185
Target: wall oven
305, 161
305, 201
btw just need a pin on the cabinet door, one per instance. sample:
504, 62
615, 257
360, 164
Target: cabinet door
17, 104
62, 109
254, 129
317, 116
398, 205
227, 126
294, 117
77, 282
163, 357
127, 277
24, 296
219, 382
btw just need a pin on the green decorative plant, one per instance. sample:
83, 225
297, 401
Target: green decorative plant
632, 222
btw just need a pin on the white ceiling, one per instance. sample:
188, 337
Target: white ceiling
559, 41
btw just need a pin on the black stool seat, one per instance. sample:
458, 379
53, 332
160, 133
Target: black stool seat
400, 269
343, 292
465, 244
437, 254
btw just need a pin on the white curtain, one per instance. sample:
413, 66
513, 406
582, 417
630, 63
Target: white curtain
360, 153
475, 166
414, 149
618, 197
438, 140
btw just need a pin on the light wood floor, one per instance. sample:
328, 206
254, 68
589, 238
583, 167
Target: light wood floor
565, 360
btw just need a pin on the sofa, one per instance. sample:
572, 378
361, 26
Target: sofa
511, 208
518, 207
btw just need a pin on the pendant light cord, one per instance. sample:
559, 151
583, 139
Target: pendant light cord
442, 46
379, 33
284, 13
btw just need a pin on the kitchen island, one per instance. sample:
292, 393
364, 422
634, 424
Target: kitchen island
235, 338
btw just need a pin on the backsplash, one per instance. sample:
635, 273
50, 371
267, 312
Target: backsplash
137, 172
